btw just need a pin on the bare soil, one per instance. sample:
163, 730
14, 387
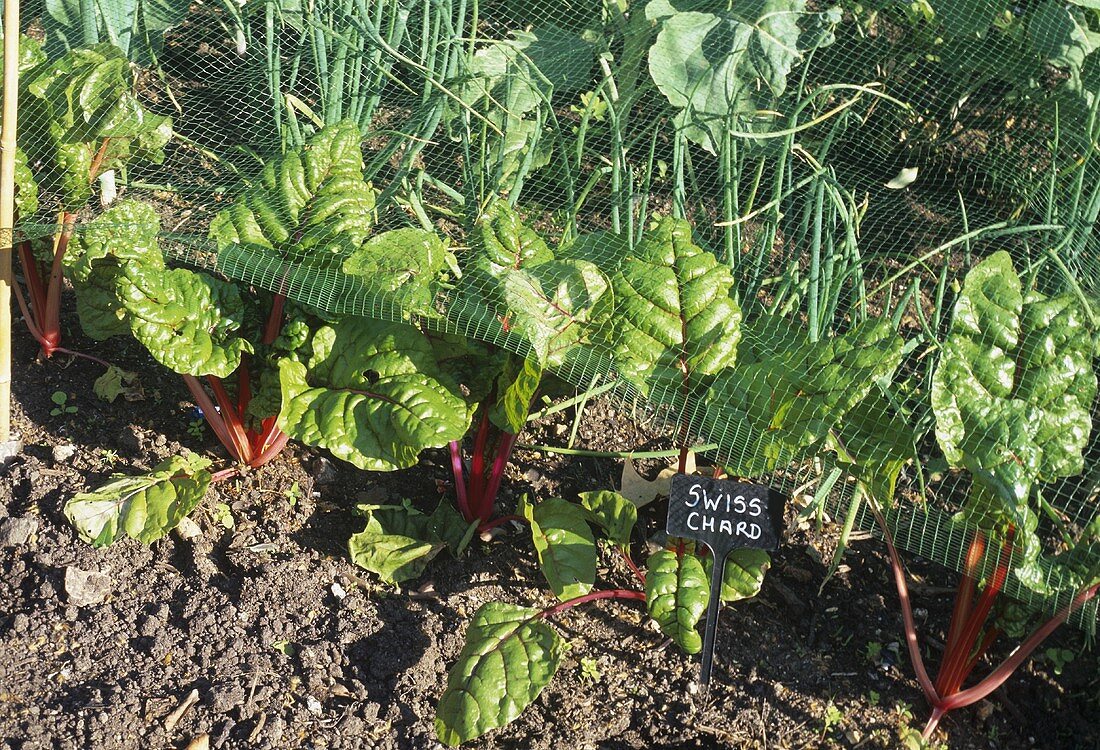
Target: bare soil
288, 645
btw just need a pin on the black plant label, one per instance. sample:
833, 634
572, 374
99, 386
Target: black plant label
724, 515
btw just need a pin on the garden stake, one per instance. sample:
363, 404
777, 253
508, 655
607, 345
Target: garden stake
7, 213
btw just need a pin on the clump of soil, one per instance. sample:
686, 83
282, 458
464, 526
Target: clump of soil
284, 643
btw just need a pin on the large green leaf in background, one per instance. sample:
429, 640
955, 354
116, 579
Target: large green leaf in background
144, 508
675, 321
713, 65
510, 655
187, 320
676, 590
564, 545
314, 198
371, 393
126, 232
1014, 386
136, 26
511, 81
789, 399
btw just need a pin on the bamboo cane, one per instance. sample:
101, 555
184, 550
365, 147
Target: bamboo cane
7, 210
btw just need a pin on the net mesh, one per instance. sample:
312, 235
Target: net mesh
845, 163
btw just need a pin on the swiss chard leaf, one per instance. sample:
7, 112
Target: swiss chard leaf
144, 508
404, 265
313, 201
516, 386
87, 99
565, 547
676, 322
1014, 386
399, 541
743, 575
510, 655
611, 512
187, 320
676, 595
371, 393
789, 400
879, 443
94, 263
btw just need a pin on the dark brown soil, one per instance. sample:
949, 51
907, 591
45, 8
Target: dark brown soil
289, 646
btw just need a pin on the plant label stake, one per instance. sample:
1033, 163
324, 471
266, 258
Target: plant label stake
724, 515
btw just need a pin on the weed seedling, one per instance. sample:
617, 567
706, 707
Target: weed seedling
63, 404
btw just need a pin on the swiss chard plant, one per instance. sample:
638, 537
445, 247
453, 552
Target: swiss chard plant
512, 652
1012, 396
547, 307
368, 391
89, 121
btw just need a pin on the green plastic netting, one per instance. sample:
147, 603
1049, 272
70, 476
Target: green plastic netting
846, 162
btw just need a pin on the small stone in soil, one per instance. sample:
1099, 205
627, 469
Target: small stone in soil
86, 587
62, 453
323, 471
9, 450
16, 531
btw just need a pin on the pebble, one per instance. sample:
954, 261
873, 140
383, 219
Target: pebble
86, 587
323, 471
62, 453
18, 530
188, 529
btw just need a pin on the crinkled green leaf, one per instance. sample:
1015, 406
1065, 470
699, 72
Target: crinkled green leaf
676, 321
743, 575
565, 547
86, 96
26, 188
187, 320
502, 242
1014, 386
371, 393
556, 305
553, 305
676, 595
611, 512
510, 655
790, 400
126, 232
144, 508
395, 544
313, 199
404, 265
